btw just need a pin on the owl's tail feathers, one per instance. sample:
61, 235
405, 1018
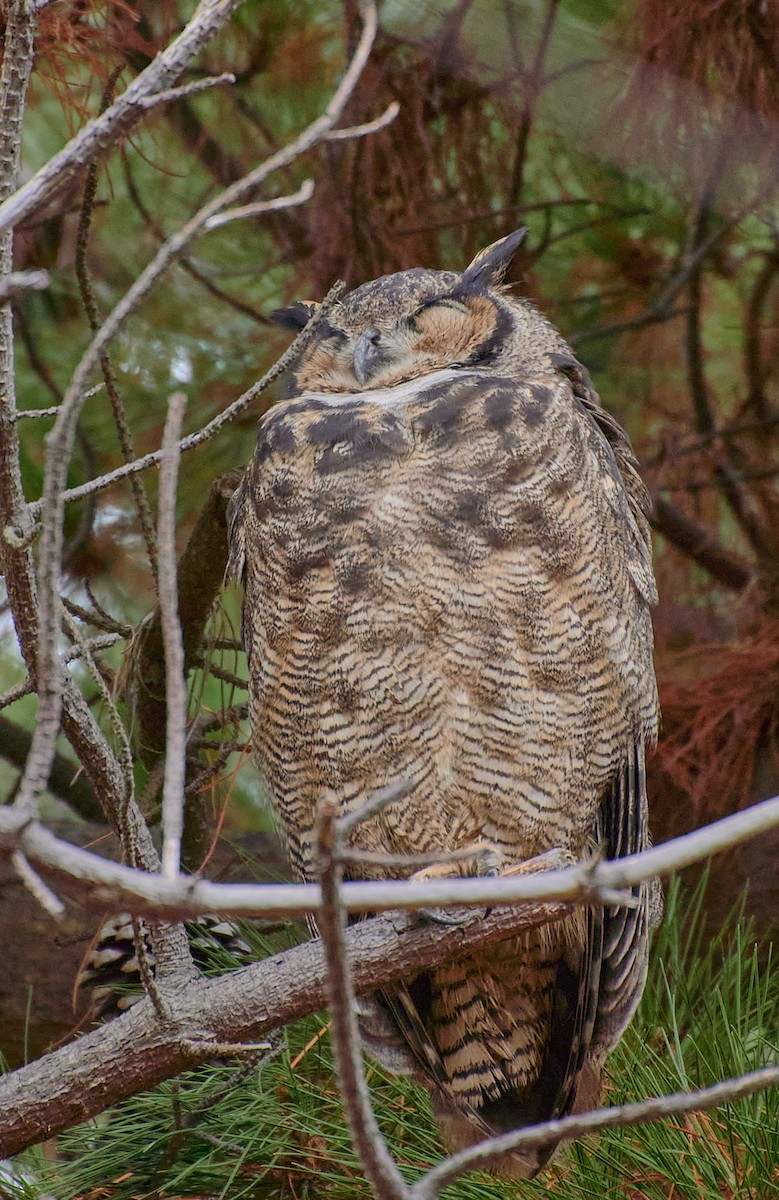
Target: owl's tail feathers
550, 1071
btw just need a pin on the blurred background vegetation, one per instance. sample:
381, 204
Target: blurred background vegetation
639, 142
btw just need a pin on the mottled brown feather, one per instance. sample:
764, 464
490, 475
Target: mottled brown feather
445, 554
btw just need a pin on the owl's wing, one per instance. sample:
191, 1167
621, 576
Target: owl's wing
626, 929
592, 1009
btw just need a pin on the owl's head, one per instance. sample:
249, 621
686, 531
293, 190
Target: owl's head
403, 326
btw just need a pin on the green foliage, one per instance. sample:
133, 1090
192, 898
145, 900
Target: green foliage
710, 1011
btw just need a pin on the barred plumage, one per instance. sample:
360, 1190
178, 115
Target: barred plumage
111, 975
447, 571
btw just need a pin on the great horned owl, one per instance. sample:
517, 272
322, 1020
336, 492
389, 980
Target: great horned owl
447, 571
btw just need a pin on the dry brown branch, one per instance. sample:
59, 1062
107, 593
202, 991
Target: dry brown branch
200, 574
66, 781
700, 545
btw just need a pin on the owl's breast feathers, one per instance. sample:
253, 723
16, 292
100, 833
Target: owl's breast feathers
448, 581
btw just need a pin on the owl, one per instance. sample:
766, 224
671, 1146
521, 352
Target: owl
444, 547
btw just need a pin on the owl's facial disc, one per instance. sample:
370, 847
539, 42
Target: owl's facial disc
444, 331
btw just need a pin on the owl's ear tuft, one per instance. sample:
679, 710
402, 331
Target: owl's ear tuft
490, 265
296, 317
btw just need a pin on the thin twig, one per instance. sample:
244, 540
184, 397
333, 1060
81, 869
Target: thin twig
213, 427
260, 207
83, 649
98, 617
378, 1164
656, 1108
186, 89
355, 131
39, 890
175, 683
19, 690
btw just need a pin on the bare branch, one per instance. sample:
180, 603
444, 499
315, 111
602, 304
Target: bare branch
355, 131
377, 1162
17, 282
67, 780
61, 437
700, 545
98, 883
304, 193
96, 138
213, 427
656, 1108
175, 686
36, 887
135, 1051
186, 89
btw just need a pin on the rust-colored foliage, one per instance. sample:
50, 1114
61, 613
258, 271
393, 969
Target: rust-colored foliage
732, 45
428, 188
721, 726
93, 35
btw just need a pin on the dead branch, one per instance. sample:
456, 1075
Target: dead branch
66, 780
655, 1108
212, 428
173, 645
60, 445
16, 283
378, 1164
97, 138
99, 884
700, 545
200, 572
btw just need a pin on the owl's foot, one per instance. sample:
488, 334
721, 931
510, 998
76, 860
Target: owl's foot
478, 860
487, 858
550, 860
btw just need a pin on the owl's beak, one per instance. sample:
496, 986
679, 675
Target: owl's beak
368, 355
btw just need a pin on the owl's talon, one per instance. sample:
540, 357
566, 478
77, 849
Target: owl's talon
439, 916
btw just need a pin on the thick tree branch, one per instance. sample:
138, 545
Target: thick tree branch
137, 1051
700, 545
200, 576
66, 781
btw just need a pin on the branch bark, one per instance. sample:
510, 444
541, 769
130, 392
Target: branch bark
99, 135
137, 1050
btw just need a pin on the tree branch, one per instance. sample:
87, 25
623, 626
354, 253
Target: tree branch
136, 1051
700, 545
60, 441
100, 134
99, 884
